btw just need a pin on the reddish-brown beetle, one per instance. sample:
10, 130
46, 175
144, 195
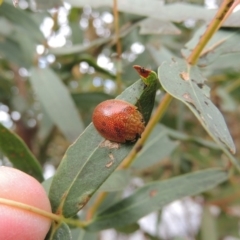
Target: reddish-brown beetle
118, 121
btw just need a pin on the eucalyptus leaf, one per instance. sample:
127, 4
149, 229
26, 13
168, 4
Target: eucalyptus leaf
208, 227
157, 147
154, 196
18, 153
79, 48
88, 163
223, 42
80, 234
90, 99
61, 232
46, 4
156, 26
22, 19
116, 182
12, 52
56, 99
188, 85
159, 55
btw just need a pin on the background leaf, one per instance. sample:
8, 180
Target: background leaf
208, 227
157, 147
80, 234
154, 196
223, 42
57, 102
22, 19
62, 232
18, 153
116, 182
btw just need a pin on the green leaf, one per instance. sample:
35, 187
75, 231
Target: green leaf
223, 42
11, 51
61, 232
45, 126
78, 48
88, 163
176, 12
27, 46
22, 19
225, 62
80, 234
156, 26
208, 227
146, 100
116, 182
159, 55
18, 153
154, 196
47, 184
157, 147
188, 85
56, 99
89, 99
46, 4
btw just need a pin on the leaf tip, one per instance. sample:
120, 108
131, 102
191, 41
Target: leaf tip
143, 72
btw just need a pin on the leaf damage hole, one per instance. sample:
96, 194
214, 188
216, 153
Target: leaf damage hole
188, 98
84, 201
200, 85
184, 76
110, 145
109, 164
209, 116
153, 193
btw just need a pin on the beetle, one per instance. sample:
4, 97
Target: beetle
118, 121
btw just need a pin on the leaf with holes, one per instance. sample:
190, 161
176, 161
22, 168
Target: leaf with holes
188, 85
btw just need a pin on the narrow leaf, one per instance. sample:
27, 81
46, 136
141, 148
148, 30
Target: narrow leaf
46, 4
80, 234
157, 147
22, 19
89, 99
208, 227
88, 163
188, 85
78, 48
156, 26
116, 182
57, 102
154, 196
11, 51
18, 153
61, 232
223, 42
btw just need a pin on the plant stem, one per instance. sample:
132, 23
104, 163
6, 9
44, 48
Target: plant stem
151, 124
119, 48
223, 12
101, 196
32, 209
